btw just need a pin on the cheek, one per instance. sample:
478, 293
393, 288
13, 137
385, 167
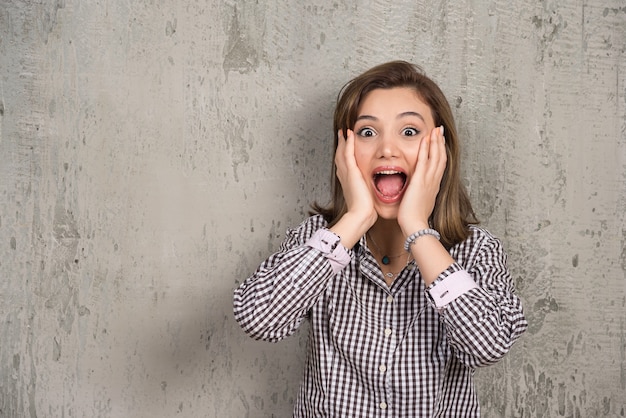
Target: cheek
363, 165
363, 161
410, 151
362, 155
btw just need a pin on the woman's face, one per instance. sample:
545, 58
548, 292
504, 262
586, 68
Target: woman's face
389, 128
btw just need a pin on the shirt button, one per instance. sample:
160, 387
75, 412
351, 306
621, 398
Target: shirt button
383, 405
387, 331
382, 368
389, 298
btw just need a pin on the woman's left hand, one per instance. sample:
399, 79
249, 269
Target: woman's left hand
419, 198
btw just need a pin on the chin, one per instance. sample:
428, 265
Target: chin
387, 213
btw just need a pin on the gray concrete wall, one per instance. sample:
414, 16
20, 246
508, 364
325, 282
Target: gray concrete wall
154, 152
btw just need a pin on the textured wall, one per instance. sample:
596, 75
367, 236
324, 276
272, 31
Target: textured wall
153, 153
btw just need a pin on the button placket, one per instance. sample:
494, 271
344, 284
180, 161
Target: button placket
389, 342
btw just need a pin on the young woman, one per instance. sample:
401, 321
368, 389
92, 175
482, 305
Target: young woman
405, 295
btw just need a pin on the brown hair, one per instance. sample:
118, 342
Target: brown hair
453, 210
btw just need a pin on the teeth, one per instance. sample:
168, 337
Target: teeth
386, 172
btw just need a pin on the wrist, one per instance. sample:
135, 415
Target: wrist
410, 228
418, 234
351, 227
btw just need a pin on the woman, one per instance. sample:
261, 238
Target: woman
405, 295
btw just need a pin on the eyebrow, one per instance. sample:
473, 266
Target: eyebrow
400, 116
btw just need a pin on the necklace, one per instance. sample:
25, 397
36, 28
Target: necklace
386, 258
390, 277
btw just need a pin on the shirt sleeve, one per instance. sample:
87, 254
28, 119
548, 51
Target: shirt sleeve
330, 246
272, 303
447, 288
482, 314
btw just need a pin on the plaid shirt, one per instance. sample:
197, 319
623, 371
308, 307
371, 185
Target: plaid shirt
379, 351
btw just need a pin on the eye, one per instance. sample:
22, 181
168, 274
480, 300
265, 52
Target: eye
410, 132
366, 132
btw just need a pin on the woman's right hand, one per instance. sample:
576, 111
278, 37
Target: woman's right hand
361, 213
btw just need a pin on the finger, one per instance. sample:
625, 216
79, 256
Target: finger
444, 153
344, 156
437, 153
340, 138
341, 144
438, 158
423, 155
349, 149
440, 161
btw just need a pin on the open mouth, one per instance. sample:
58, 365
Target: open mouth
389, 183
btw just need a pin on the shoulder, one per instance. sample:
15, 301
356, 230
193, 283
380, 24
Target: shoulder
479, 240
478, 233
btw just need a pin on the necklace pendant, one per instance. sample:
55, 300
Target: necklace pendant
385, 260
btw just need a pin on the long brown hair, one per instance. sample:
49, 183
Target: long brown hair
453, 210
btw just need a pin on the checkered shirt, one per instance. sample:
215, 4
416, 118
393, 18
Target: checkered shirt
379, 351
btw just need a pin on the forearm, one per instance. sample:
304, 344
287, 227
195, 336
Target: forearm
482, 327
429, 254
350, 228
271, 304
485, 317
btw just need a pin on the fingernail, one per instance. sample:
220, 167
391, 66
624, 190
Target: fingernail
441, 130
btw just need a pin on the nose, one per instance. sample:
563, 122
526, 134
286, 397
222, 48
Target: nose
387, 146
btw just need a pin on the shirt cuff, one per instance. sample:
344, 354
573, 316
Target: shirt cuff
329, 244
445, 291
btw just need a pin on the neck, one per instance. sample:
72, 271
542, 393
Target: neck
386, 242
388, 235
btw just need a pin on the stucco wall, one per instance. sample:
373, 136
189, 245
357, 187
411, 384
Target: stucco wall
152, 153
